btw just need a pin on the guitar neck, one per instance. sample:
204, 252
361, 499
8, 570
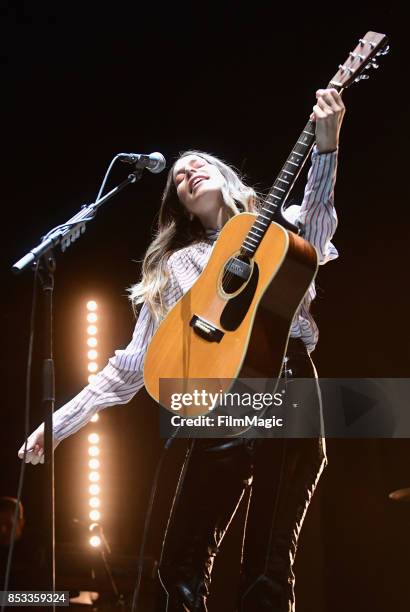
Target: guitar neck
280, 189
291, 168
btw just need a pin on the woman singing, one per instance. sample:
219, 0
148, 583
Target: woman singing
202, 193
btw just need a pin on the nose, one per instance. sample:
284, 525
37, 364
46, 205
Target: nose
188, 171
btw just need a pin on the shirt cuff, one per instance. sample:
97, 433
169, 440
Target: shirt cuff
316, 153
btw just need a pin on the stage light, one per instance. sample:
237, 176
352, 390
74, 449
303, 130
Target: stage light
94, 515
94, 489
95, 541
94, 502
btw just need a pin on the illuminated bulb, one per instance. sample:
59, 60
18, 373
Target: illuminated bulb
93, 464
92, 354
93, 438
94, 489
92, 317
94, 502
93, 451
94, 476
92, 366
91, 330
92, 342
96, 416
92, 378
92, 305
95, 515
95, 541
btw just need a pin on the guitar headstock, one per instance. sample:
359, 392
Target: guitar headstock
360, 59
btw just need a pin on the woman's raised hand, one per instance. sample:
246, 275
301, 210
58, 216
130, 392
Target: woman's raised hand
328, 113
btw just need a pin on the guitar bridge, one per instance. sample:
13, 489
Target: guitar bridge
205, 329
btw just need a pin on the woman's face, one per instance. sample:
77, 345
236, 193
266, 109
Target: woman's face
198, 184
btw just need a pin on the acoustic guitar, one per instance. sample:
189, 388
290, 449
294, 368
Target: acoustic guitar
235, 320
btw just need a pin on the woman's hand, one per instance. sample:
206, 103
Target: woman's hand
35, 446
328, 114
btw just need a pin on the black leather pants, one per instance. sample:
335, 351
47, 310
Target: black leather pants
282, 474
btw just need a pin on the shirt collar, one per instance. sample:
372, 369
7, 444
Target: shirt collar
212, 234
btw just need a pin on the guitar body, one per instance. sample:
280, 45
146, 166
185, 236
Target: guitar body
212, 333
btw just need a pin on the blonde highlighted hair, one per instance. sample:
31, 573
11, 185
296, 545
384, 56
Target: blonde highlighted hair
176, 230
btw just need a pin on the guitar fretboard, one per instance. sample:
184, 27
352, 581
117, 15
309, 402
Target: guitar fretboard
280, 189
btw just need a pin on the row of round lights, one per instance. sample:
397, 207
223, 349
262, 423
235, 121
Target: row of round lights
94, 487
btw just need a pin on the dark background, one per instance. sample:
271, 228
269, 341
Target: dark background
238, 80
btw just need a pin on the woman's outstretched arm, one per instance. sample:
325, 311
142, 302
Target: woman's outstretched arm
117, 383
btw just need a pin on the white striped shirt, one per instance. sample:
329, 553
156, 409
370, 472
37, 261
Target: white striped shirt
122, 377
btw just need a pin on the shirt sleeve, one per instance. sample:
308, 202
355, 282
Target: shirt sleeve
117, 383
121, 378
317, 213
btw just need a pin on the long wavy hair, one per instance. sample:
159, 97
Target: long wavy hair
176, 230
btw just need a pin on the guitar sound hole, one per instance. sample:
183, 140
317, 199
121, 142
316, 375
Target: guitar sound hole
236, 273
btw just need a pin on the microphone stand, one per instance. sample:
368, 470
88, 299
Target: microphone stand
46, 267
42, 257
104, 550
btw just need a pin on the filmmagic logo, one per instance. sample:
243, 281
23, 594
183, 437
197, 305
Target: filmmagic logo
210, 401
226, 421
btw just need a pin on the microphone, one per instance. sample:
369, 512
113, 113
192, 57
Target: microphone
154, 162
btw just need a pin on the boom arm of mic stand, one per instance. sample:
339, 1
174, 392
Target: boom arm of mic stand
67, 233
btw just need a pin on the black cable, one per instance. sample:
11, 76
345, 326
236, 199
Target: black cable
26, 429
85, 219
104, 182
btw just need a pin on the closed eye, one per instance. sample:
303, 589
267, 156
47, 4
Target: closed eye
196, 163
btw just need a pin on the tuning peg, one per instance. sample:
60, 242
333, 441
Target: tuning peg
361, 77
384, 51
363, 42
372, 64
354, 55
346, 69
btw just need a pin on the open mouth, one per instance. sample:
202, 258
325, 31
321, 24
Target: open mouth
196, 182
